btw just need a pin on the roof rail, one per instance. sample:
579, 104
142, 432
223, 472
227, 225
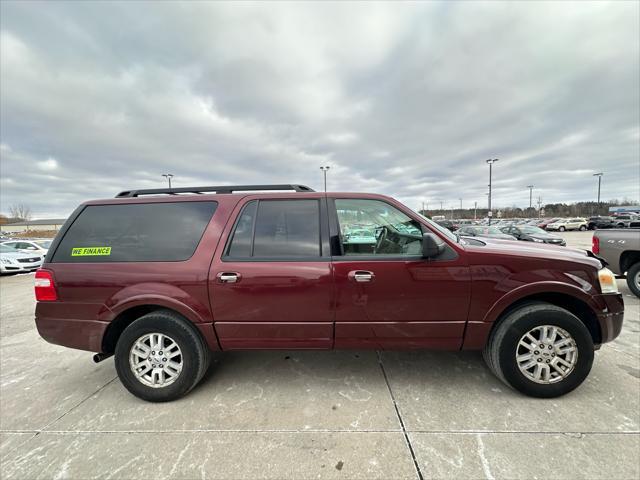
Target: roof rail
216, 189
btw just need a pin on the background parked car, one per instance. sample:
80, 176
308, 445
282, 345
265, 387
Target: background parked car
41, 247
600, 222
624, 221
448, 224
484, 231
528, 233
14, 261
568, 224
546, 221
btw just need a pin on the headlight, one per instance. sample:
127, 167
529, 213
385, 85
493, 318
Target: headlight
6, 261
537, 240
607, 281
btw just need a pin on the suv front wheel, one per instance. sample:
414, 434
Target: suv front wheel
160, 356
540, 350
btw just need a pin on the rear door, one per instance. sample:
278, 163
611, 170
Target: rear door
270, 283
387, 295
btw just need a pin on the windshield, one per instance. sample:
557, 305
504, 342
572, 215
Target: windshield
43, 243
529, 229
445, 231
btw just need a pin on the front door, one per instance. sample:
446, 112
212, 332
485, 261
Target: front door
271, 284
388, 295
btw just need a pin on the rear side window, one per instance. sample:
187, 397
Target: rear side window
151, 232
277, 229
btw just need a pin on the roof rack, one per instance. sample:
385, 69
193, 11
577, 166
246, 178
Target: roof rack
216, 189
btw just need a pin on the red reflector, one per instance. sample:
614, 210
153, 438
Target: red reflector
44, 286
595, 245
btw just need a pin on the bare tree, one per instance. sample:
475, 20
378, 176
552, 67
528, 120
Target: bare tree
20, 211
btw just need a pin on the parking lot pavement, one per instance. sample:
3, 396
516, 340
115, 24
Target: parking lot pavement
279, 414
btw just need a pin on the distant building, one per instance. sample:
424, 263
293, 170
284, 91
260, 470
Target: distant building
33, 225
624, 208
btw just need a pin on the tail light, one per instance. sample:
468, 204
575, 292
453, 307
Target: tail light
595, 245
45, 287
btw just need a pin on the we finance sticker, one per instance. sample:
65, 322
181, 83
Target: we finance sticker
90, 251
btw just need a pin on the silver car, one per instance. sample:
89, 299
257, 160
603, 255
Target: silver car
13, 261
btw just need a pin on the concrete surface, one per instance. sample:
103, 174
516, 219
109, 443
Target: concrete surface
311, 414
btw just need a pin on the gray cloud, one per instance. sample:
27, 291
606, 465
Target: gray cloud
402, 99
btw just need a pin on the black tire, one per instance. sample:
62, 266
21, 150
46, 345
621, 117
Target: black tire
500, 350
195, 355
633, 279
582, 228
561, 229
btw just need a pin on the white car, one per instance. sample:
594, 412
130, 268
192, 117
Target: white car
41, 247
569, 224
14, 261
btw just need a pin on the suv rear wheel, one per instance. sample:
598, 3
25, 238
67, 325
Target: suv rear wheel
540, 350
160, 356
583, 228
561, 229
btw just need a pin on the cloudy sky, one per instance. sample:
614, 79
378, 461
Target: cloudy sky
403, 99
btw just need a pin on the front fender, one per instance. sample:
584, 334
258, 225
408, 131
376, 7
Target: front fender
531, 289
477, 332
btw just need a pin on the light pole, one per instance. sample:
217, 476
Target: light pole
441, 209
475, 209
168, 176
324, 171
490, 161
599, 175
530, 187
460, 207
539, 207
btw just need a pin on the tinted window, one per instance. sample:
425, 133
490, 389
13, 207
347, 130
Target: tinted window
283, 229
373, 227
243, 233
151, 232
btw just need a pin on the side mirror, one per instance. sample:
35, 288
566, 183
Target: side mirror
432, 246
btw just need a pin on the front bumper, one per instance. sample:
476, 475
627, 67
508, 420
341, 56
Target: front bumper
558, 244
610, 316
20, 268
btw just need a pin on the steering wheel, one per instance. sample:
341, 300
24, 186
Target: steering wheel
381, 238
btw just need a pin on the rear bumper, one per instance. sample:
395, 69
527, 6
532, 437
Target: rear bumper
611, 316
80, 334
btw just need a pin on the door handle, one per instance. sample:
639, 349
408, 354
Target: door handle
361, 276
228, 277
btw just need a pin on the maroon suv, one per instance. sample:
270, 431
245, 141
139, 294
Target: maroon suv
161, 278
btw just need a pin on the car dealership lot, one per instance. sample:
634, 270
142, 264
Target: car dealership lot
349, 414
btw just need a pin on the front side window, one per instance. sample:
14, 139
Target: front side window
373, 227
277, 229
143, 232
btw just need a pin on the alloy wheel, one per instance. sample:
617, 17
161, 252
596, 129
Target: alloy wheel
546, 354
156, 360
